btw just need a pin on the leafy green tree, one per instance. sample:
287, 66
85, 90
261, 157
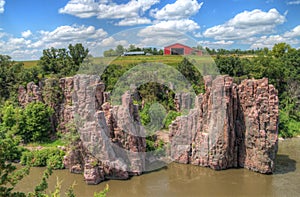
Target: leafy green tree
78, 53
36, 116
62, 62
192, 75
119, 50
109, 53
280, 49
13, 74
9, 176
31, 123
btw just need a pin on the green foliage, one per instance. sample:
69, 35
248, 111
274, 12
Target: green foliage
119, 50
192, 74
112, 74
103, 193
51, 157
12, 75
70, 191
34, 122
154, 92
62, 62
9, 176
144, 114
280, 49
154, 145
56, 162
52, 93
170, 117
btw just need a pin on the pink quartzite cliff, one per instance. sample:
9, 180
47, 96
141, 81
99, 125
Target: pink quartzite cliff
231, 126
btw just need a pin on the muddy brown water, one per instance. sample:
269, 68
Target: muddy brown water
187, 180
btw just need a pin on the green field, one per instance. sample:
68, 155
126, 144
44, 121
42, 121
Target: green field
30, 64
127, 60
171, 60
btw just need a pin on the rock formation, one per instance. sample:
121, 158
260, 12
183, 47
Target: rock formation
230, 126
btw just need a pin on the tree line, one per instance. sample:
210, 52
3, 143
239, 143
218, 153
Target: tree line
119, 50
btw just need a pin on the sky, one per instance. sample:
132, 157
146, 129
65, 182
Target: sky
29, 26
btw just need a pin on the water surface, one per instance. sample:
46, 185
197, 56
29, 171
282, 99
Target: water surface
188, 180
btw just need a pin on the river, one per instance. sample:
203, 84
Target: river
188, 180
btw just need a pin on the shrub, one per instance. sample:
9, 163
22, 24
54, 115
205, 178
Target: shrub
46, 156
170, 117
56, 162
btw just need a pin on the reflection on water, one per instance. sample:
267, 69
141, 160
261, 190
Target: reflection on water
187, 180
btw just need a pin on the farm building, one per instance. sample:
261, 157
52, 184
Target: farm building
133, 53
180, 49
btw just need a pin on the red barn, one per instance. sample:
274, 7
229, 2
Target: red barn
180, 49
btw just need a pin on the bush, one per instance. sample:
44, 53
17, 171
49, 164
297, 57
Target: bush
170, 117
56, 162
152, 145
47, 156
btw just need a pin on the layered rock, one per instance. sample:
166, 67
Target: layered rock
231, 126
31, 93
183, 101
112, 141
112, 136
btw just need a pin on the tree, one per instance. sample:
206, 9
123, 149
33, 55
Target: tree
31, 123
36, 120
119, 50
280, 49
77, 53
63, 62
13, 74
9, 176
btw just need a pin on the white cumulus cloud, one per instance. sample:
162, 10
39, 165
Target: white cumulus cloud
291, 37
269, 41
2, 3
216, 44
247, 24
31, 45
179, 10
293, 33
130, 12
26, 34
169, 28
134, 21
112, 42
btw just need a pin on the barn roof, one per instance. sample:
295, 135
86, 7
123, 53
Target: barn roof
177, 44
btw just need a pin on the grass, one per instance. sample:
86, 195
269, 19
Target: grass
30, 64
55, 143
171, 60
127, 60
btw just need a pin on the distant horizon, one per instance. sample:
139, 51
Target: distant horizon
28, 27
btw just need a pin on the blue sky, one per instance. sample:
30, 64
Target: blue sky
28, 27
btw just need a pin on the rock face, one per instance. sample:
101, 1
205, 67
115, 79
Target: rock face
109, 146
30, 94
230, 126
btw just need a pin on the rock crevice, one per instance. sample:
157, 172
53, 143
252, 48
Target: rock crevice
230, 126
